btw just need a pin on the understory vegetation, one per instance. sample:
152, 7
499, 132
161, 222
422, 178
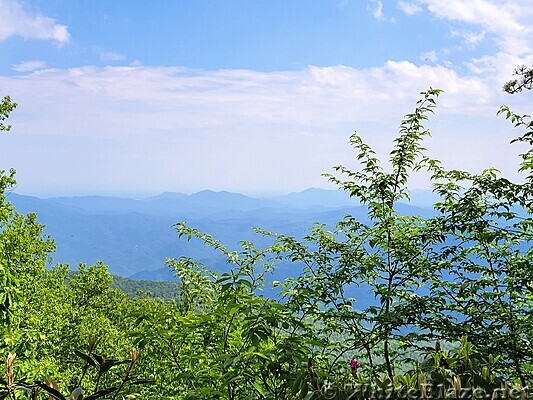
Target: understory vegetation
450, 314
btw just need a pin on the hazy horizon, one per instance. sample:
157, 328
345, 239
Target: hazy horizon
145, 195
139, 195
418, 197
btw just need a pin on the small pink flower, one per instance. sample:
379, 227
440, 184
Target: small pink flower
354, 364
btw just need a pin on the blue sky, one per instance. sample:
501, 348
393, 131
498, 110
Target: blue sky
136, 98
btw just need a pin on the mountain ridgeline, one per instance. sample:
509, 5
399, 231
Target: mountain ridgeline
134, 237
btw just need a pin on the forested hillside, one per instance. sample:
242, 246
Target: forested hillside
163, 290
450, 317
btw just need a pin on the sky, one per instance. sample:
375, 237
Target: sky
135, 98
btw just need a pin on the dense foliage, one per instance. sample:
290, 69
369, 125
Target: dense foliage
449, 316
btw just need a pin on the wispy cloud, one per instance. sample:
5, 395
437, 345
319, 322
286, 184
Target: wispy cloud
189, 98
409, 8
376, 8
111, 56
28, 66
509, 22
470, 38
506, 23
233, 129
29, 24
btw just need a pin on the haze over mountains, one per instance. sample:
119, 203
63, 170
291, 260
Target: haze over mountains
134, 237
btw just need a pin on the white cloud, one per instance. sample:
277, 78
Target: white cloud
17, 21
316, 95
499, 65
409, 8
508, 21
28, 66
164, 128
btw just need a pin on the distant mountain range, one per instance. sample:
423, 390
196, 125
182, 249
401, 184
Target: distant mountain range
134, 237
